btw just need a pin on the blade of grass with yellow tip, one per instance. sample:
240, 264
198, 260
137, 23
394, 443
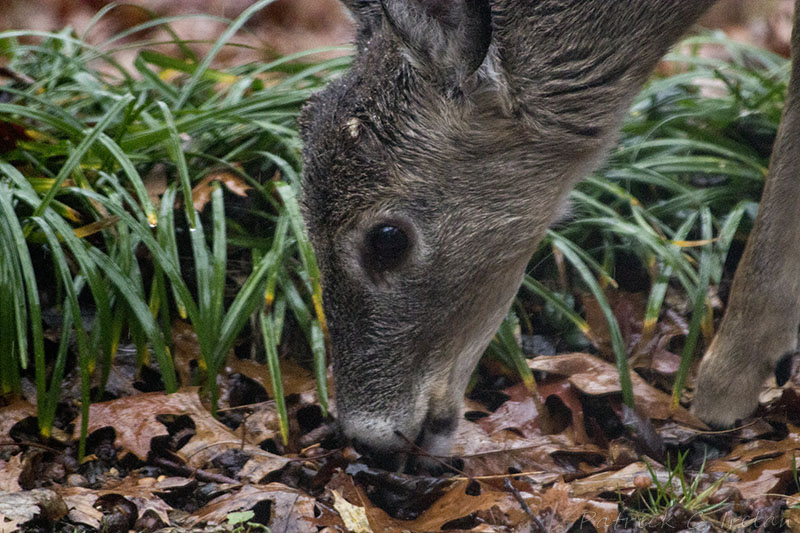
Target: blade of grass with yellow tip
617, 343
699, 309
321, 340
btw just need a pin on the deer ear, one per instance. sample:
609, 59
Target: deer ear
447, 38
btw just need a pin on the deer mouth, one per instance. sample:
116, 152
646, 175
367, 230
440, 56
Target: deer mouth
425, 453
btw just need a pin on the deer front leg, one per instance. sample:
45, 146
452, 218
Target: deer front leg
761, 323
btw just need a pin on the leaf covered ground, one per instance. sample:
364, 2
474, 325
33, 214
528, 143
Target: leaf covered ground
158, 461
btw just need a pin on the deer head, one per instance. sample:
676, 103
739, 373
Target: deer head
429, 181
412, 200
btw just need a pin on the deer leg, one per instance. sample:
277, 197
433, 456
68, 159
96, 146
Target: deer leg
761, 323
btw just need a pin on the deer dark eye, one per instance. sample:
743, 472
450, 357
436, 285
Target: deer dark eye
387, 247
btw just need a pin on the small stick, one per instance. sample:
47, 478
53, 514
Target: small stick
186, 471
536, 523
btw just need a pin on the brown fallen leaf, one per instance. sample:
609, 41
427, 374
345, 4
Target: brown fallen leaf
9, 524
629, 310
761, 466
354, 516
295, 378
622, 481
134, 418
187, 355
201, 193
155, 183
288, 510
12, 413
136, 422
560, 504
550, 456
792, 515
518, 413
454, 508
23, 506
570, 397
9, 473
83, 502
595, 377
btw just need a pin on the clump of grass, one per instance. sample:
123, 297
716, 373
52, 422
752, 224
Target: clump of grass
677, 498
83, 228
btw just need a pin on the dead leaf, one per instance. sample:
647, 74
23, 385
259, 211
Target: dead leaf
187, 354
762, 466
155, 183
354, 516
8, 524
9, 473
260, 424
288, 511
26, 505
792, 516
595, 377
457, 504
646, 342
550, 456
629, 310
83, 502
570, 397
622, 481
295, 378
12, 413
135, 420
518, 413
81, 506
454, 507
201, 193
567, 509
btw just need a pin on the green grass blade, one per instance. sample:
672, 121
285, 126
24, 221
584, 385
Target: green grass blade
176, 154
271, 341
699, 310
223, 39
84, 357
311, 271
17, 236
658, 290
80, 151
536, 287
617, 343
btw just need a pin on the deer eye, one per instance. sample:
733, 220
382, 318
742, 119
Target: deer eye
386, 247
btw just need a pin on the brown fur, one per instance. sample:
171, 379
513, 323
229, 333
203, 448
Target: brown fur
466, 123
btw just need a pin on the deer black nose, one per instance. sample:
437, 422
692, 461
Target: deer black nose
386, 459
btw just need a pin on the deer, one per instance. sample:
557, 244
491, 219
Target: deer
439, 160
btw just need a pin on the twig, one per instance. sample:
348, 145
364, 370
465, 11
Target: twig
499, 476
536, 523
186, 471
29, 444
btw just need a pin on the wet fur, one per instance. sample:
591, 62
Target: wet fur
470, 135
